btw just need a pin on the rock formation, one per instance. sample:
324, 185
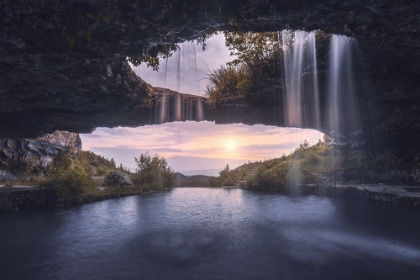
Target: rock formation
63, 64
40, 151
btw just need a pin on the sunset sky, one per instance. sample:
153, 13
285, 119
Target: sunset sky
198, 147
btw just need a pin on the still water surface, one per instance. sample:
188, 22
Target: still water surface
213, 234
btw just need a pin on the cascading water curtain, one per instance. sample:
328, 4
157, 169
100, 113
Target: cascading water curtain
302, 108
340, 82
301, 91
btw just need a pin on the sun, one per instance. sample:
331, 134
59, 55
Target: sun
231, 145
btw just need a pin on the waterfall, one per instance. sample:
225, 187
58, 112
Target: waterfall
178, 70
340, 82
166, 66
315, 113
292, 82
340, 94
199, 110
178, 112
302, 93
181, 76
301, 90
163, 117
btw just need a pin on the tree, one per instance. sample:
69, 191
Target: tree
153, 171
305, 145
228, 177
253, 48
254, 73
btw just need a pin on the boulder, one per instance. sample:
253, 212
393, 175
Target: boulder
42, 150
118, 178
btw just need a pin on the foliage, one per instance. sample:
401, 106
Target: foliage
227, 83
70, 178
317, 164
153, 172
153, 56
96, 160
228, 177
101, 166
255, 73
253, 49
266, 178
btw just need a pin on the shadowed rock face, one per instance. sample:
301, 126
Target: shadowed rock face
41, 151
63, 63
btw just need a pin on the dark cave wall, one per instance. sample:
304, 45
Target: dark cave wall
63, 63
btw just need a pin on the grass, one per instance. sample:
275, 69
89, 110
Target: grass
318, 164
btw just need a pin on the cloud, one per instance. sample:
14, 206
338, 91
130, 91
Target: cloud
217, 145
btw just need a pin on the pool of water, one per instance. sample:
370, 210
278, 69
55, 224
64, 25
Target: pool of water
203, 233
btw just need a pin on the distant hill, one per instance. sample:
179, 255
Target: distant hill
207, 172
191, 181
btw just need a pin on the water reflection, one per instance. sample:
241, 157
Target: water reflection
213, 234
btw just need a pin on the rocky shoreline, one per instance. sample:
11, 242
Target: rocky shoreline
44, 198
351, 192
355, 193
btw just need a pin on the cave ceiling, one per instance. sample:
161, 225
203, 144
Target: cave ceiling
63, 64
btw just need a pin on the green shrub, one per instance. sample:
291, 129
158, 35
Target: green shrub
153, 172
69, 178
228, 177
215, 181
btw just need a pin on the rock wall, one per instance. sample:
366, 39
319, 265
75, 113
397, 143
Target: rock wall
40, 151
63, 64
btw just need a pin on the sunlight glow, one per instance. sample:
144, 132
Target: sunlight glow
197, 145
231, 145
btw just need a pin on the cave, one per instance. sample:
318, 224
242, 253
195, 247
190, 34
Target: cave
342, 208
64, 65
